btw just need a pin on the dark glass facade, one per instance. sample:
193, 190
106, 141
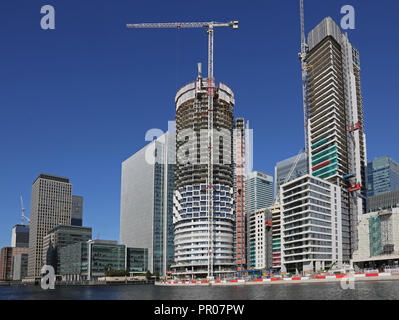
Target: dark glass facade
137, 259
382, 176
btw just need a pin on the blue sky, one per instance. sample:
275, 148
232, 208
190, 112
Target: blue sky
76, 101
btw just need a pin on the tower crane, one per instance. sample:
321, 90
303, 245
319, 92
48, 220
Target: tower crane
302, 57
23, 212
210, 26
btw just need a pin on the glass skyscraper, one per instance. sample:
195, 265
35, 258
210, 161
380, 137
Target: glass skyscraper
259, 191
382, 176
147, 202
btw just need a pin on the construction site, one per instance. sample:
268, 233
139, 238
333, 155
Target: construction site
333, 114
204, 195
208, 213
378, 240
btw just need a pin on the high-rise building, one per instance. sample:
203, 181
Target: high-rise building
147, 202
241, 154
260, 239
382, 176
51, 205
258, 195
337, 143
259, 191
77, 211
61, 236
310, 225
204, 245
295, 166
20, 236
276, 235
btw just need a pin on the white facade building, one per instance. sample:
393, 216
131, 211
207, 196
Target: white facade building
260, 239
311, 234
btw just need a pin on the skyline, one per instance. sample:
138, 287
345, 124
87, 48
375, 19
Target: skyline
125, 84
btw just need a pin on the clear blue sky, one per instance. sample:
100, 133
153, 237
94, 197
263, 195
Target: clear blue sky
76, 101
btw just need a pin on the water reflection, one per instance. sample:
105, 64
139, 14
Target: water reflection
307, 291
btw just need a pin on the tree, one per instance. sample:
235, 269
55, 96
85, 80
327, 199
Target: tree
116, 273
148, 275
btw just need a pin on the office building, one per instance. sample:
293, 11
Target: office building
310, 225
382, 176
20, 236
20, 266
334, 121
260, 239
258, 195
59, 237
382, 201
259, 191
136, 260
77, 211
51, 205
88, 261
7, 255
204, 243
378, 239
146, 219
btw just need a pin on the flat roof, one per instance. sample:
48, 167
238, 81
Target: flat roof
52, 177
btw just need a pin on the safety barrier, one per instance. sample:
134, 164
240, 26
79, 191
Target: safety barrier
243, 281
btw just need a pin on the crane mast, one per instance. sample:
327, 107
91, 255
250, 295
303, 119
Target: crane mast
210, 153
211, 90
305, 67
23, 212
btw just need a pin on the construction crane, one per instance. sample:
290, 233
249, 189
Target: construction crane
302, 57
210, 26
23, 212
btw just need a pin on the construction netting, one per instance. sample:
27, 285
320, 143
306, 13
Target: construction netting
375, 236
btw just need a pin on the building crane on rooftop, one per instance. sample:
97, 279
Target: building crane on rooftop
211, 85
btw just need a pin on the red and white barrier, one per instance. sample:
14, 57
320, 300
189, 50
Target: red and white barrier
242, 281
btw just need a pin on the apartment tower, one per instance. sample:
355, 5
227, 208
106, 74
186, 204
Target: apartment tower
337, 144
193, 227
310, 225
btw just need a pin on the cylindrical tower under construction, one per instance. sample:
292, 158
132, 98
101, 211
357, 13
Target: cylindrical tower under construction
195, 231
